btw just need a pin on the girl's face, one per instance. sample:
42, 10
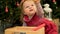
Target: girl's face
29, 8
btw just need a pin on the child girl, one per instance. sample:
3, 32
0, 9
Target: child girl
31, 17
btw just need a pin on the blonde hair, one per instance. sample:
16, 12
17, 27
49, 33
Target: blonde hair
21, 10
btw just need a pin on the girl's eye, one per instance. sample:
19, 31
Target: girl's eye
32, 5
27, 6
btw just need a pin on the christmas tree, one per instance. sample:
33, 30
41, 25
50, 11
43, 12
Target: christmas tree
9, 12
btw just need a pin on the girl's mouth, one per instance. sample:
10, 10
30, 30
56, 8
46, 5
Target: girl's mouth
31, 10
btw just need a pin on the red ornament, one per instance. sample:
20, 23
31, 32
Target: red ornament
54, 1
17, 3
6, 9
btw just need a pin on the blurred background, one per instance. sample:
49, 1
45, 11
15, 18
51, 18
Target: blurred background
9, 12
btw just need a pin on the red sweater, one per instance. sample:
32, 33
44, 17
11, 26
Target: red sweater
50, 27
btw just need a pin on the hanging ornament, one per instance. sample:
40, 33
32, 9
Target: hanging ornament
17, 3
6, 9
54, 1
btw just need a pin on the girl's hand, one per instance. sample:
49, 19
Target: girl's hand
37, 1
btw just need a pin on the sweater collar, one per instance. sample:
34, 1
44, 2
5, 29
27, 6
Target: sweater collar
26, 19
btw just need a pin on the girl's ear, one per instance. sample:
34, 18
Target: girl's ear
24, 13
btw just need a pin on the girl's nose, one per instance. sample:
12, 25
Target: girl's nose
30, 7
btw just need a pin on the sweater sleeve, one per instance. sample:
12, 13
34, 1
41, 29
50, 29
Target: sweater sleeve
40, 10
